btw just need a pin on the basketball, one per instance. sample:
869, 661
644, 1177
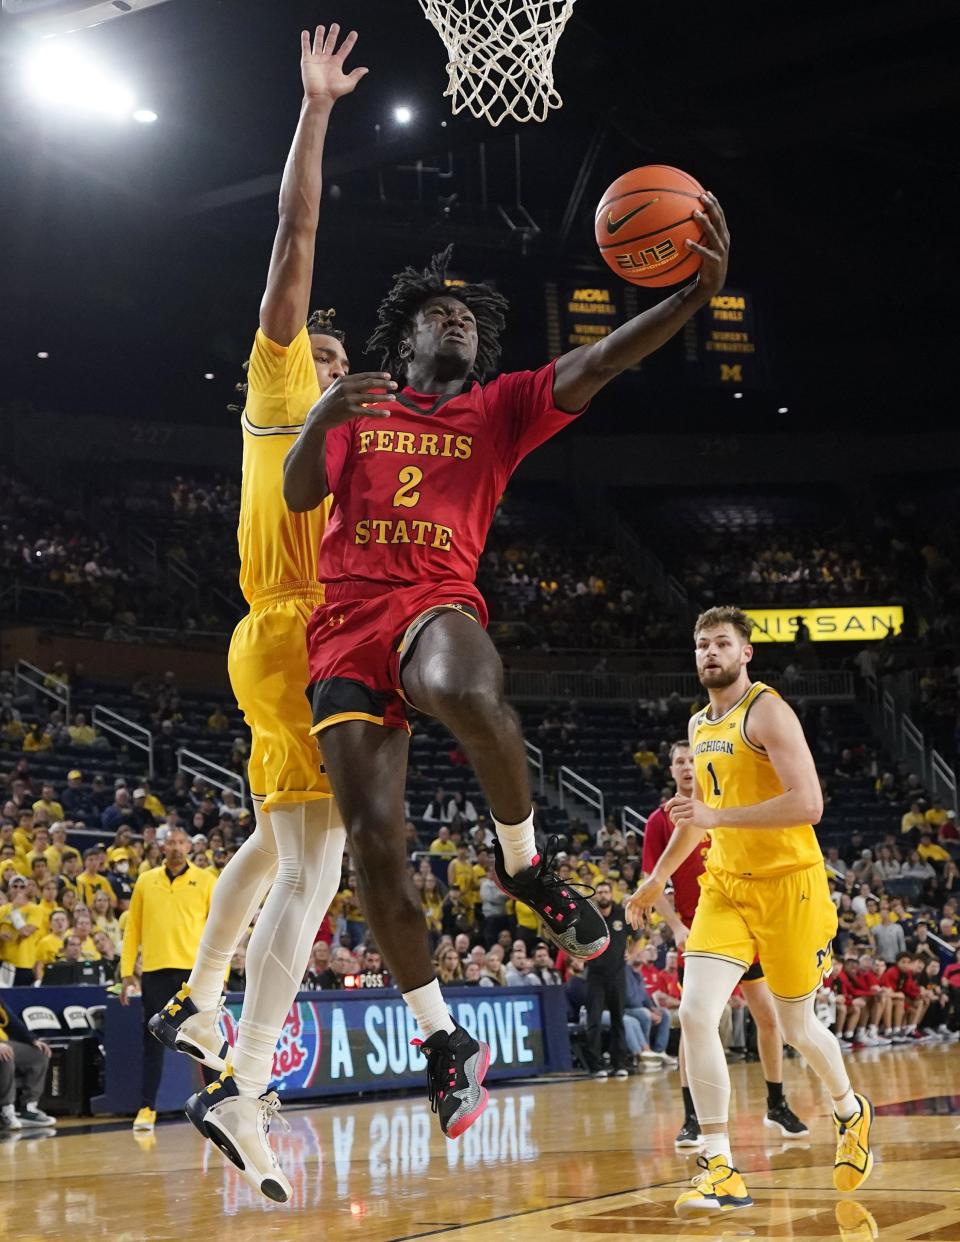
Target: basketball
643, 222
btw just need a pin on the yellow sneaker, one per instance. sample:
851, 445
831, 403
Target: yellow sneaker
719, 1188
146, 1119
854, 1160
855, 1223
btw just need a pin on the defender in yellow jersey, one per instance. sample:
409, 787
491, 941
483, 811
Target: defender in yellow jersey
764, 891
295, 854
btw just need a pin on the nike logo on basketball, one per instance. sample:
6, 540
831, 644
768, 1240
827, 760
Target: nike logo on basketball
614, 226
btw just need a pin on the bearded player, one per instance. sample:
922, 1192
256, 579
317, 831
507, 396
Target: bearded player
416, 466
297, 848
764, 893
679, 916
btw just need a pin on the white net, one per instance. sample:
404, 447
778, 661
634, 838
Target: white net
500, 54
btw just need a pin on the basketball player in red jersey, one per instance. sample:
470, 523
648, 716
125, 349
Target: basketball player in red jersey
416, 467
679, 916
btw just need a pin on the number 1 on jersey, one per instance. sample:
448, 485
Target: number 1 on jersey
713, 777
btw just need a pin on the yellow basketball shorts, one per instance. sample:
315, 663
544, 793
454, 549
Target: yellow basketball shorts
788, 921
268, 673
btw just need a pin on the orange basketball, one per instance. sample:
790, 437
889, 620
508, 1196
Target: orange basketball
643, 222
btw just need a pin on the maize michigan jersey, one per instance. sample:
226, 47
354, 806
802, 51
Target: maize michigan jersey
733, 771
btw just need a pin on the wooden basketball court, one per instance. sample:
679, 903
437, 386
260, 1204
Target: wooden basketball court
569, 1158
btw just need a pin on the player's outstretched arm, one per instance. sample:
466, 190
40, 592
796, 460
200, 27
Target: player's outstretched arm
580, 374
286, 300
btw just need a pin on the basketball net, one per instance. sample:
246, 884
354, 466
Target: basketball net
501, 54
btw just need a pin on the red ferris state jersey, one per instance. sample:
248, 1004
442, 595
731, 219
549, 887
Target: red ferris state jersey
414, 495
686, 878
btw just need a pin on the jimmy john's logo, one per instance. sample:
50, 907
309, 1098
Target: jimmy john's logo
649, 257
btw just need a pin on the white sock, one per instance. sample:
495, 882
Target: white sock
846, 1106
310, 843
236, 898
717, 1145
518, 843
430, 1009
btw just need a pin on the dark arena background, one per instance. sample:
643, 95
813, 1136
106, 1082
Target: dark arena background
792, 449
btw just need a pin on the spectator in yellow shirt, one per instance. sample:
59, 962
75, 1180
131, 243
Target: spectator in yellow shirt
89, 882
36, 739
50, 946
9, 857
936, 814
152, 803
20, 923
23, 833
81, 733
217, 722
930, 851
104, 918
49, 901
48, 802
441, 843
83, 929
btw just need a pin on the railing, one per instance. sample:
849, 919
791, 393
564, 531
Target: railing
144, 547
108, 721
36, 679
19, 594
535, 759
572, 784
942, 779
223, 778
632, 821
602, 686
906, 740
179, 568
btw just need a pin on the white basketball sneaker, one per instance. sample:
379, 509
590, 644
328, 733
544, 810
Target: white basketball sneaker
240, 1126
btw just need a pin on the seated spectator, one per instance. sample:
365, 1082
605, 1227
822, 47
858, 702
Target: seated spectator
886, 866
930, 851
237, 976
21, 924
936, 814
834, 862
448, 965
48, 802
948, 833
641, 1006
83, 928
461, 809
217, 721
914, 820
609, 836
519, 969
916, 868
901, 979
318, 964
50, 946
109, 956
104, 919
36, 739
342, 963
81, 733
436, 808
442, 844
543, 966
494, 971
849, 765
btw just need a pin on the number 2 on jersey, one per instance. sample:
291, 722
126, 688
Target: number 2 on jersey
713, 777
405, 496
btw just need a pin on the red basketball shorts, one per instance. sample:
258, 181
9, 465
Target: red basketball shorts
359, 639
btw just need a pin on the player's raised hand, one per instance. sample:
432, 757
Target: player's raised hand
351, 396
321, 64
649, 892
715, 248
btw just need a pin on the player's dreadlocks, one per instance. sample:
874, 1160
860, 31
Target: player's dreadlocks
320, 323
411, 289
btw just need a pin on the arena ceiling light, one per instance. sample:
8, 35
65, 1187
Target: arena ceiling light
58, 74
403, 114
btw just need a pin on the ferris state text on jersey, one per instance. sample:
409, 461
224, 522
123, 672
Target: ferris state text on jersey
732, 770
413, 500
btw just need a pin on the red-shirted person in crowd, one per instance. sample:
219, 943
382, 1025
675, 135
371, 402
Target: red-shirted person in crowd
875, 1029
850, 1008
901, 979
679, 916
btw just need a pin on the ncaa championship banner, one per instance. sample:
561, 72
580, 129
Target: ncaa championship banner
361, 1040
826, 625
